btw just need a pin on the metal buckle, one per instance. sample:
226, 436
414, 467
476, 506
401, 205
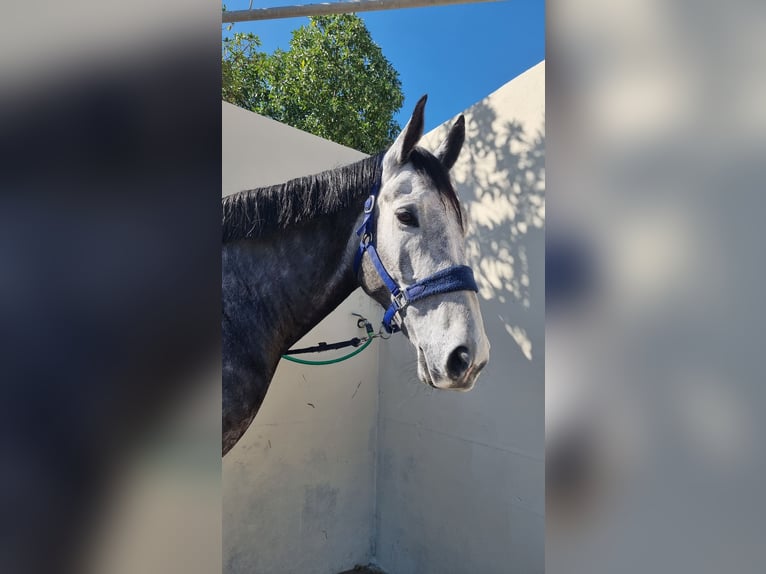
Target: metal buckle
369, 205
399, 300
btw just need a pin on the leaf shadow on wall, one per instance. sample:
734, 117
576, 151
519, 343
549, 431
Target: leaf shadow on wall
501, 180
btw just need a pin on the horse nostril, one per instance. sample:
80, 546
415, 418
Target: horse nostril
458, 362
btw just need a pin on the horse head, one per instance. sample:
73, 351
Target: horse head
415, 234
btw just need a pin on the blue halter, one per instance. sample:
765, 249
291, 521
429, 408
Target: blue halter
455, 278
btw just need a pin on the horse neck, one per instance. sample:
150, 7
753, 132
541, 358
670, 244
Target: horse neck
278, 288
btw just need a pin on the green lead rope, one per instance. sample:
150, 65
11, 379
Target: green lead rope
361, 322
329, 361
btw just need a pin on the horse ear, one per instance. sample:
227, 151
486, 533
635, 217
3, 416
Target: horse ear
411, 134
449, 150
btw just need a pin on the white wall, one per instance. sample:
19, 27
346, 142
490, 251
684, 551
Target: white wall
460, 478
298, 489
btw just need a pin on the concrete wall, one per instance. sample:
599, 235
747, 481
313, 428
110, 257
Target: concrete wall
460, 478
298, 489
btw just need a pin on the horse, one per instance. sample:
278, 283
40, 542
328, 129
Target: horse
391, 224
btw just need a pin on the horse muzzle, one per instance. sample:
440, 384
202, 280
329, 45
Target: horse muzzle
458, 374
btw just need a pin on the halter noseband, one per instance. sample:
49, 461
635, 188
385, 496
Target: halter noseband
455, 278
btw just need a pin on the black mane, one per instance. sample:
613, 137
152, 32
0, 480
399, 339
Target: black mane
253, 213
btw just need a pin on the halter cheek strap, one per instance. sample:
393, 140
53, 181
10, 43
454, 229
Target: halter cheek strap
455, 278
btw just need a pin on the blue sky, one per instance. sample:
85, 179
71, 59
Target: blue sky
456, 54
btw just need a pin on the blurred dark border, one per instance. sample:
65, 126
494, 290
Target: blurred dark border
110, 281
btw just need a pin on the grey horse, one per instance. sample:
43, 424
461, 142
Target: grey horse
390, 223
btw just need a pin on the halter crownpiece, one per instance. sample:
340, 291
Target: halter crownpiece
455, 278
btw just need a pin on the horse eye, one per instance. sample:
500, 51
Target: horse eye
407, 217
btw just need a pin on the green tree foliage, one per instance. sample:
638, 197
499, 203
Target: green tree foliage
333, 81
